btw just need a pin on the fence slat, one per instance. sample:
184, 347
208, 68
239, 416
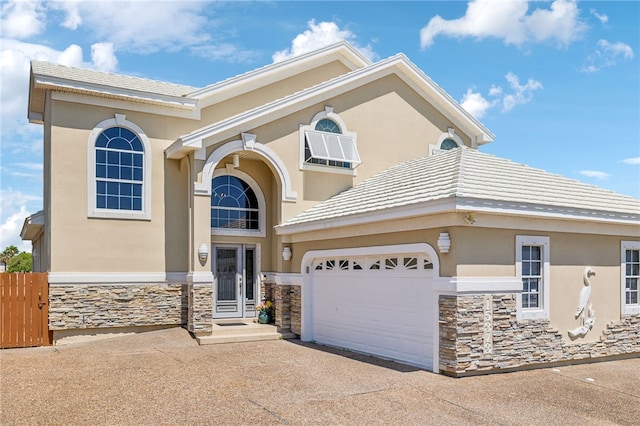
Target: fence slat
31, 315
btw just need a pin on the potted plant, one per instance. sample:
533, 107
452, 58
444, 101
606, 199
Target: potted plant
264, 311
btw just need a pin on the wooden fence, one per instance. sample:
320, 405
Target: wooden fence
24, 313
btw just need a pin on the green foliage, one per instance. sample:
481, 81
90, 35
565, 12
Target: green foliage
8, 253
20, 263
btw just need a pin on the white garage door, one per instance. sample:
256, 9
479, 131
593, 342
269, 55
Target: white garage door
380, 305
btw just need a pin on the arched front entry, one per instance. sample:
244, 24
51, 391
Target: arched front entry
238, 228
241, 180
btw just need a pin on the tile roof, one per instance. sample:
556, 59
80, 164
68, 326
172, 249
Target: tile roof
467, 174
108, 79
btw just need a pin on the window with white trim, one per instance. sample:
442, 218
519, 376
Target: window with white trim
326, 145
630, 272
119, 170
237, 204
532, 267
447, 141
233, 204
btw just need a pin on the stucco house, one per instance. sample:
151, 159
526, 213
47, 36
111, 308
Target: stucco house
354, 195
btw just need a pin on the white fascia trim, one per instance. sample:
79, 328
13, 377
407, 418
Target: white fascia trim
281, 278
477, 285
126, 104
65, 85
391, 213
351, 57
511, 208
200, 277
115, 277
274, 110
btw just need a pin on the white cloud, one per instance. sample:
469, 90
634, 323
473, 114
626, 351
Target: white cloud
607, 54
476, 104
72, 13
320, 35
521, 93
601, 17
103, 56
225, 52
634, 161
140, 26
511, 22
22, 19
517, 94
595, 174
14, 211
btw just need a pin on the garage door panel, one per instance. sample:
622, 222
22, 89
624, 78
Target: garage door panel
377, 312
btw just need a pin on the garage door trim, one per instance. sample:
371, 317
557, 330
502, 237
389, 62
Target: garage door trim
390, 250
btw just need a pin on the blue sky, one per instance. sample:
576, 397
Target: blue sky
558, 82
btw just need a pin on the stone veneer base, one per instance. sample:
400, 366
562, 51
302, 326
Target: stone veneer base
468, 348
96, 306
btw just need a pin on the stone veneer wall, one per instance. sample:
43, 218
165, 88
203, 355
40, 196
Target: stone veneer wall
467, 348
200, 308
80, 306
288, 307
296, 309
283, 307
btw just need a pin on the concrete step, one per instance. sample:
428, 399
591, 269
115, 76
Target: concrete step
241, 330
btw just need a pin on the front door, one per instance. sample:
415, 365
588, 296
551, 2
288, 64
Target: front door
236, 286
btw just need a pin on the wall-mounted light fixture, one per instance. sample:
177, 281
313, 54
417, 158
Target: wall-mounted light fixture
286, 253
203, 252
444, 242
236, 160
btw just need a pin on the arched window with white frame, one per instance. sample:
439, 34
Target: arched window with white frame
446, 142
238, 206
119, 171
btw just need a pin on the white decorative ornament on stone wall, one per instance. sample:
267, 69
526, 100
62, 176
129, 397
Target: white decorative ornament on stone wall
586, 314
487, 331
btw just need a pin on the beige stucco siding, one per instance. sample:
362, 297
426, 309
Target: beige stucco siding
79, 242
244, 102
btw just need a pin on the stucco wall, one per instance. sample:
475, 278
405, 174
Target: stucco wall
83, 244
273, 91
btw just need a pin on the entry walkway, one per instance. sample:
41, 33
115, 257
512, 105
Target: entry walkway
165, 377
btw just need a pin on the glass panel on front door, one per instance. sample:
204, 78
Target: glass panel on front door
226, 271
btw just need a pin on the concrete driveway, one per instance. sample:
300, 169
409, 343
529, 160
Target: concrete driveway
164, 377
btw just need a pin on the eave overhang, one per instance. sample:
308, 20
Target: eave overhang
33, 226
40, 84
397, 65
454, 204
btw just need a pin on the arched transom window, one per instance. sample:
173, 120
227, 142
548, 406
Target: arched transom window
234, 204
119, 166
448, 144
